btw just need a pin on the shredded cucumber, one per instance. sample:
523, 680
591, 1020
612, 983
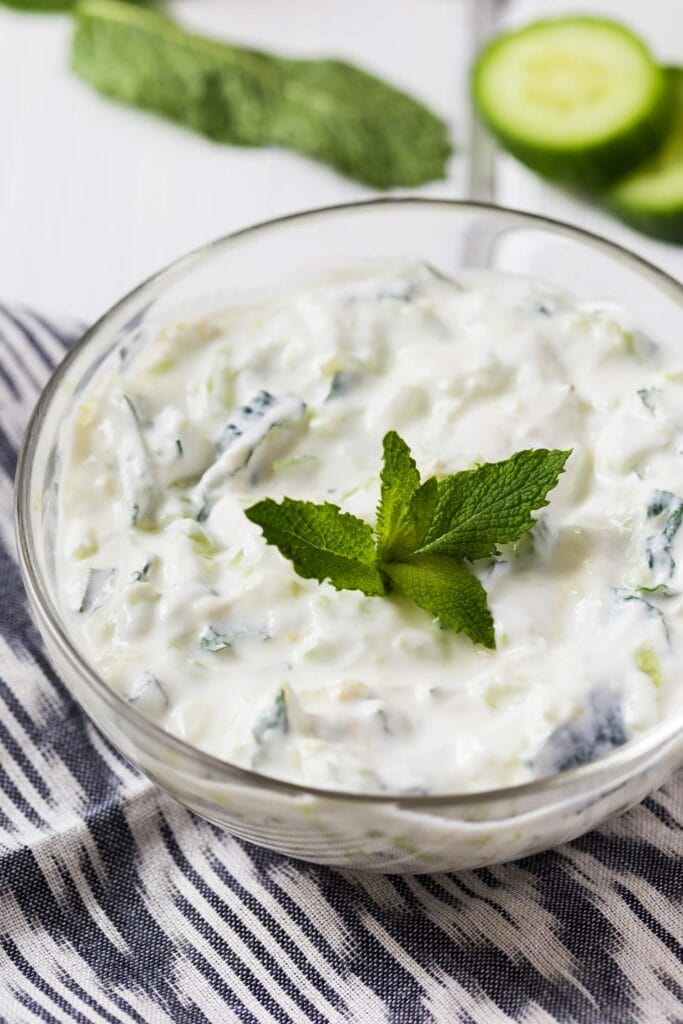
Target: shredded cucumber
647, 661
651, 197
578, 99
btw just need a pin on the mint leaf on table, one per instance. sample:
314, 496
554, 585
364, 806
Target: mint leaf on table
327, 109
58, 6
322, 542
39, 6
449, 591
425, 532
480, 508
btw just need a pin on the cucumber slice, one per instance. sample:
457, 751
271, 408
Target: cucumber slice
578, 99
651, 198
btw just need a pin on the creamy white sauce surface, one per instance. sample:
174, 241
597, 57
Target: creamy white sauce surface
177, 601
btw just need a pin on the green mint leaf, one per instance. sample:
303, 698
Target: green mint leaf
322, 542
421, 511
480, 508
327, 109
400, 482
39, 5
44, 6
405, 507
449, 591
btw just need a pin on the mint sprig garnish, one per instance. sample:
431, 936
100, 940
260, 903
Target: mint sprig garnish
426, 532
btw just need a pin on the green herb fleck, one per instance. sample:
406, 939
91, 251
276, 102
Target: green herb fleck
326, 109
425, 532
661, 589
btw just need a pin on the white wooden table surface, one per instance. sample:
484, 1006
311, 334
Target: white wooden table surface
94, 196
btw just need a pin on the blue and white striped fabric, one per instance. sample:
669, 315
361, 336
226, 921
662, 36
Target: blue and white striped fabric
118, 906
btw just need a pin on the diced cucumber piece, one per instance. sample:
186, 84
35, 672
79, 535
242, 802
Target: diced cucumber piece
650, 199
244, 434
647, 661
578, 99
250, 424
598, 729
273, 721
148, 694
625, 598
138, 482
141, 575
666, 512
98, 587
212, 639
342, 383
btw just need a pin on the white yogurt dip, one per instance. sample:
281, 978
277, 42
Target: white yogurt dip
175, 598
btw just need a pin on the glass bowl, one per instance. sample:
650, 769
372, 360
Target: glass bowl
386, 833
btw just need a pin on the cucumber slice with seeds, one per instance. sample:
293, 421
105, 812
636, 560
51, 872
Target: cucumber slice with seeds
650, 199
578, 99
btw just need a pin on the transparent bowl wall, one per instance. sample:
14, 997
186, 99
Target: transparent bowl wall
385, 833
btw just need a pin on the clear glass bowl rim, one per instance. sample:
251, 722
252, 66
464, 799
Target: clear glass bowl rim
621, 757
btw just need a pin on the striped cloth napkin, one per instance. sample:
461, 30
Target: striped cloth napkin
119, 906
